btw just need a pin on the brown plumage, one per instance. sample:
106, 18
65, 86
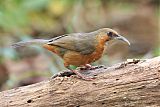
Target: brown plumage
78, 49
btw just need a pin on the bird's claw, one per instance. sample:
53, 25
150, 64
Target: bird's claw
82, 76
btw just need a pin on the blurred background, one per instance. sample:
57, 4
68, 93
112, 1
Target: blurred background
137, 20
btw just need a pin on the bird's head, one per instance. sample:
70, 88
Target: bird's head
110, 34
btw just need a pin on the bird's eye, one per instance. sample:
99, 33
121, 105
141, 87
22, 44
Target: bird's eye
110, 34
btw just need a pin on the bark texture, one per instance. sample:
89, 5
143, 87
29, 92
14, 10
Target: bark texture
132, 83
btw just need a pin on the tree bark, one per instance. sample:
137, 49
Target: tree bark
132, 83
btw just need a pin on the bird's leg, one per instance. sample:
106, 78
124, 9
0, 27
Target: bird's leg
80, 75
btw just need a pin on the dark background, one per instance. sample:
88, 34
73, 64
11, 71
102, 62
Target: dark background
137, 20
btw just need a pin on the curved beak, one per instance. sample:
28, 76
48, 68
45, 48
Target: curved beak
119, 37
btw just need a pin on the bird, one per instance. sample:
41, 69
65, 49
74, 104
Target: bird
78, 49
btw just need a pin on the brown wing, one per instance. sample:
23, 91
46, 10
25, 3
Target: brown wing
84, 43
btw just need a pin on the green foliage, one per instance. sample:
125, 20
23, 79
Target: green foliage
157, 51
14, 14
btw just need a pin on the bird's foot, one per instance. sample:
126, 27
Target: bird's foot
85, 71
83, 76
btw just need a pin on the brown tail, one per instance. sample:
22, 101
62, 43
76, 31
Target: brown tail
31, 42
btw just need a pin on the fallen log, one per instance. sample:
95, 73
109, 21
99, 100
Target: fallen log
134, 83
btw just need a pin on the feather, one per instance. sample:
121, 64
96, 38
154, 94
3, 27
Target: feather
31, 42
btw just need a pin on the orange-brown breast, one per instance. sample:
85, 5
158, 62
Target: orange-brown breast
97, 54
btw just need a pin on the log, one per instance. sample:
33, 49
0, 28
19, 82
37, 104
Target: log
133, 83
